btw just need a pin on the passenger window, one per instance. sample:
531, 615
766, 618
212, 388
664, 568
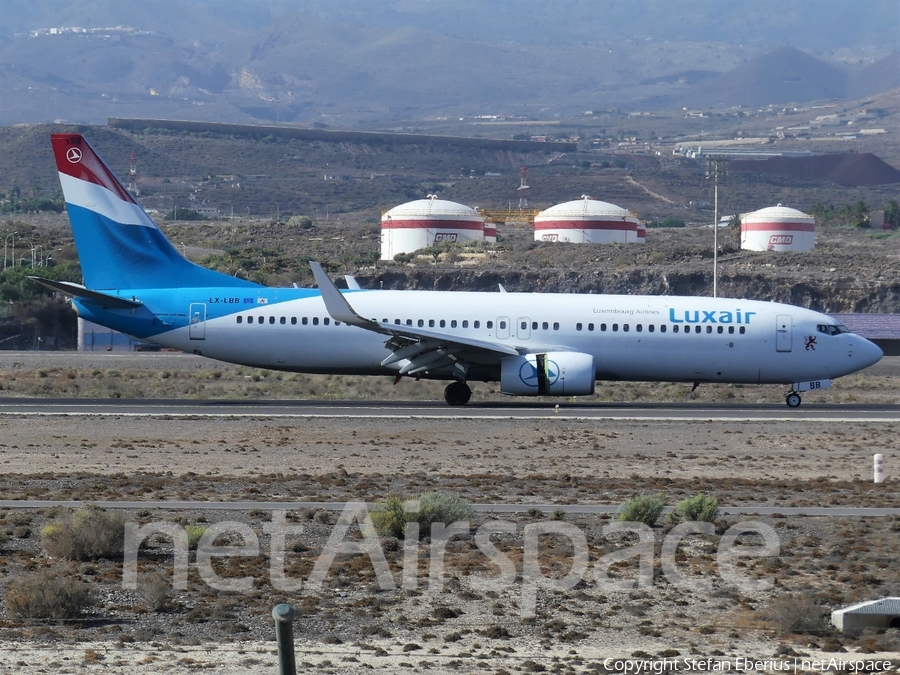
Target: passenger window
577, 326
742, 330
639, 328
489, 324
555, 325
709, 329
240, 319
502, 325
603, 327
545, 325
315, 321
524, 325
260, 319
337, 323
731, 330
305, 321
720, 330
624, 327
452, 323
674, 329
396, 322
283, 321
662, 329
697, 329
651, 328
615, 327
271, 319
326, 320
409, 322
590, 326
443, 324
465, 323
421, 323
476, 324
431, 323
293, 320
534, 325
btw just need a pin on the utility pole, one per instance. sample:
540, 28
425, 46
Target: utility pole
716, 168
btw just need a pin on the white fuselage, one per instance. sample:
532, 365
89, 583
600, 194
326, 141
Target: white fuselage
659, 338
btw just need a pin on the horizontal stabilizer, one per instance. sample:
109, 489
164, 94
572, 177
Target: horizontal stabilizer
79, 291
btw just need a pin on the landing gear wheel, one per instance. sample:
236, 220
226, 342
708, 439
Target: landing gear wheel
793, 399
457, 393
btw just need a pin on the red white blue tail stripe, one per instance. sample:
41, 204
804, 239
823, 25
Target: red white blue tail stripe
119, 246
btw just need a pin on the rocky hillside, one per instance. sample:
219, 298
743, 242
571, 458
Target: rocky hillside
850, 271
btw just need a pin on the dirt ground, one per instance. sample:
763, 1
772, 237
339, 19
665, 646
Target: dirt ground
351, 624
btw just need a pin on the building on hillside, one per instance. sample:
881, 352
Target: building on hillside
588, 221
884, 613
778, 228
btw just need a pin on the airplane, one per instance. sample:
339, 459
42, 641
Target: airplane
533, 344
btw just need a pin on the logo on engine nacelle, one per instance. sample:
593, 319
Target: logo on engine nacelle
529, 375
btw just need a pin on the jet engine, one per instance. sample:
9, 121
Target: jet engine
550, 374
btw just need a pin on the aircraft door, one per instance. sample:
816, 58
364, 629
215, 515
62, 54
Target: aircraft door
523, 328
784, 329
503, 327
197, 321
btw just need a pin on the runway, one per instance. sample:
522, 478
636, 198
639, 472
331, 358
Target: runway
581, 509
567, 410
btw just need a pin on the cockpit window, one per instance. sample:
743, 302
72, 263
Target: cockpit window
830, 329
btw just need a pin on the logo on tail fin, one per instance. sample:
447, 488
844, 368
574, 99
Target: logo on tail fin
74, 155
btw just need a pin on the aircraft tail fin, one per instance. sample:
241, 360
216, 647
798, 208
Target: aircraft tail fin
119, 246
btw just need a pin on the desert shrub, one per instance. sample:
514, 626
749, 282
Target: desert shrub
797, 613
642, 509
89, 533
390, 516
194, 532
304, 222
154, 589
47, 595
700, 508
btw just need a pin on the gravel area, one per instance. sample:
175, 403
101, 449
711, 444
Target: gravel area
351, 625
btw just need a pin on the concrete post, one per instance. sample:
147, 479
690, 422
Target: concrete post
284, 636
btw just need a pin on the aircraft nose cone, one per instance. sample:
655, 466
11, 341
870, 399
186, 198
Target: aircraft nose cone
869, 353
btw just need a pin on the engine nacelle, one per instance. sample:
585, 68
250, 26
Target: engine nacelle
550, 374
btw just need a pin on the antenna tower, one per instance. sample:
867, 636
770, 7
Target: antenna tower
523, 188
132, 175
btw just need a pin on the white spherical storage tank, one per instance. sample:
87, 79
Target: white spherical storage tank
427, 222
586, 221
778, 228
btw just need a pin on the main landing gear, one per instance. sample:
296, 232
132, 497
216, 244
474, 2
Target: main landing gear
457, 393
793, 399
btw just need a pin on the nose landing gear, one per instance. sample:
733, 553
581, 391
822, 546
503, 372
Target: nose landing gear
793, 399
457, 393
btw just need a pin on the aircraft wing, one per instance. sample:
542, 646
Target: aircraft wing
413, 350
